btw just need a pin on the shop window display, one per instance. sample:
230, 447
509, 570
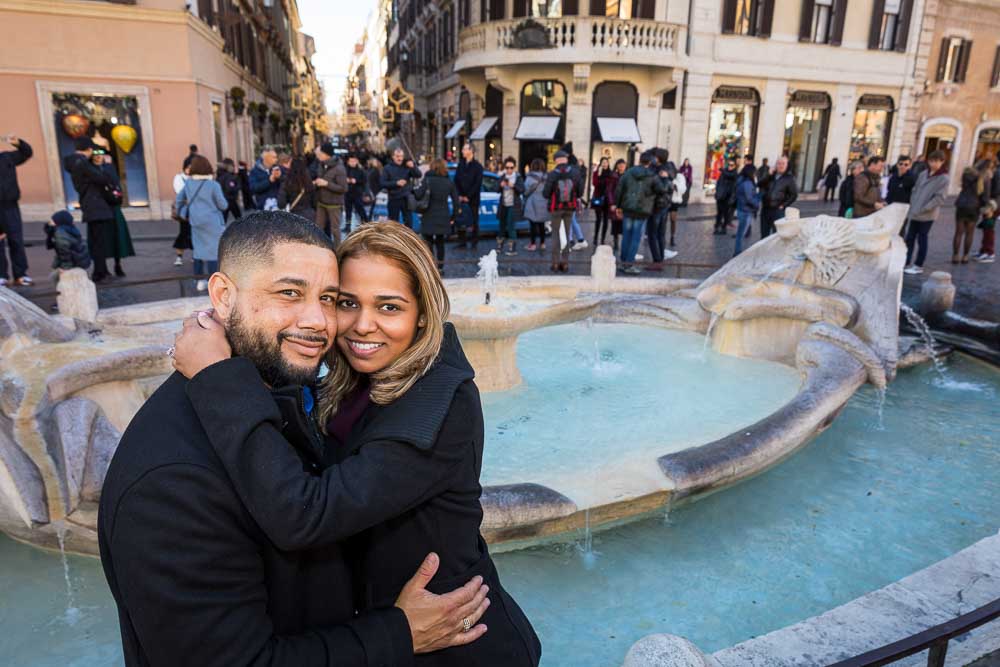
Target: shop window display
731, 130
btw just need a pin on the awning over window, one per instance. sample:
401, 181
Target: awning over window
537, 128
483, 128
618, 130
455, 129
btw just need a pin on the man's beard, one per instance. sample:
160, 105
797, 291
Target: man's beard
265, 353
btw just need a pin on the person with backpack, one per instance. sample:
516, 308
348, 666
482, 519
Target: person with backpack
563, 186
536, 209
202, 203
747, 204
636, 196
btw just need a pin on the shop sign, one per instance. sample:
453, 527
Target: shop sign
876, 102
809, 99
735, 95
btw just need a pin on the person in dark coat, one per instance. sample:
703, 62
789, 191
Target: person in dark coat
374, 184
831, 176
780, 192
265, 180
614, 212
725, 197
404, 427
436, 221
244, 175
118, 240
91, 184
397, 181
846, 196
599, 201
747, 204
11, 227
298, 194
357, 189
66, 241
971, 200
231, 187
331, 187
195, 579
469, 182
868, 188
511, 207
901, 182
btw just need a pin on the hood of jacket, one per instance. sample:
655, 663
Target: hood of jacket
639, 173
416, 417
70, 161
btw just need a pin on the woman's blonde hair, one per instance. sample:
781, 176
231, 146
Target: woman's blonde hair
403, 247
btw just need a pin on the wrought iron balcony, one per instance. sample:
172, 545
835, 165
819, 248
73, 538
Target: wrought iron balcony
571, 39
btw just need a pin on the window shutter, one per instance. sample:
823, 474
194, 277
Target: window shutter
766, 18
963, 61
571, 7
483, 11
728, 16
598, 7
520, 8
943, 59
644, 9
875, 30
995, 79
839, 14
806, 20
903, 26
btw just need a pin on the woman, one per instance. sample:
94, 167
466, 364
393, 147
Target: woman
117, 239
747, 203
437, 220
613, 210
404, 429
846, 194
202, 203
598, 200
971, 201
536, 209
298, 193
374, 184
831, 176
511, 189
688, 172
183, 240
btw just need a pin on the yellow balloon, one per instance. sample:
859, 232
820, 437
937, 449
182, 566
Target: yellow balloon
124, 137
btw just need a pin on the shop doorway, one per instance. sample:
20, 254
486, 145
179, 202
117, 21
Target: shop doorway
732, 129
542, 128
941, 137
872, 125
987, 144
806, 124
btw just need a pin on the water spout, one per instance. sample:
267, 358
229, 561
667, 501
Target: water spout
72, 614
488, 275
918, 323
708, 333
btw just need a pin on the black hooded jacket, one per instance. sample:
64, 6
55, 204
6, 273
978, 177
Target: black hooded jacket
10, 193
196, 581
89, 180
406, 484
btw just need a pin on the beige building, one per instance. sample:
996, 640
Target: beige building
957, 83
365, 98
150, 78
707, 79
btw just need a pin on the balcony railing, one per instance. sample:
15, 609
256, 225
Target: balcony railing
605, 38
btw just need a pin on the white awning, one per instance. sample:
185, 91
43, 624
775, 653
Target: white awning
483, 128
537, 128
455, 129
618, 130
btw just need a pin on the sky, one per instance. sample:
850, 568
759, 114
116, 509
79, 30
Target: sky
335, 25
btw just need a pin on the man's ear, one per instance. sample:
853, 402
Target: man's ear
222, 292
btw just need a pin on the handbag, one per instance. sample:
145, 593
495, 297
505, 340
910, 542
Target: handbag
596, 202
181, 214
290, 207
419, 204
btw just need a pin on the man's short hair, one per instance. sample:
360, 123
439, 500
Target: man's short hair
193, 148
646, 158
875, 159
250, 241
937, 156
904, 158
662, 155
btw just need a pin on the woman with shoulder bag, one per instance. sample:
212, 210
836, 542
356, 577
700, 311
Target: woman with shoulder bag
117, 240
599, 200
436, 219
183, 240
614, 212
298, 194
203, 204
536, 208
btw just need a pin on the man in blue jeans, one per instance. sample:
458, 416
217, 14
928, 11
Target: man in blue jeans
636, 196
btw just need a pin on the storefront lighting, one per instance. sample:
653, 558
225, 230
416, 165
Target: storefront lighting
114, 120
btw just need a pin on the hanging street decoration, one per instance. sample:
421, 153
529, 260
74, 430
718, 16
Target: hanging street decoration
124, 137
75, 125
401, 100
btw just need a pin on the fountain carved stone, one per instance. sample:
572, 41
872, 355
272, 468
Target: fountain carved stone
821, 296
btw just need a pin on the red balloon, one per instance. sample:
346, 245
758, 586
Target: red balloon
75, 125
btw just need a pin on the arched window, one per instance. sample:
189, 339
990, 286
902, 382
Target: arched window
543, 98
616, 99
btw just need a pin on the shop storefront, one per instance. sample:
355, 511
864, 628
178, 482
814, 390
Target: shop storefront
490, 128
872, 125
732, 129
941, 137
541, 130
112, 121
987, 144
806, 123
614, 130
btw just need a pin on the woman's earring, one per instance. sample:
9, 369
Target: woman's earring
421, 323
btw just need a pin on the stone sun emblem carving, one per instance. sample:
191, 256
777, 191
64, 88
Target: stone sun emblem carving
829, 243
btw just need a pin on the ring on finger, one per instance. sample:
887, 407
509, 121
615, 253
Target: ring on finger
171, 350
466, 624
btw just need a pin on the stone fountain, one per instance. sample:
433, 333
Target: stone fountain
821, 296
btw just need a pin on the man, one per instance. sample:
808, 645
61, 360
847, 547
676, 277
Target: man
469, 184
763, 176
725, 197
636, 196
831, 176
780, 192
901, 182
995, 182
265, 181
397, 181
192, 151
230, 182
195, 579
665, 205
330, 188
244, 175
928, 195
90, 182
357, 184
868, 188
562, 189
11, 228
677, 193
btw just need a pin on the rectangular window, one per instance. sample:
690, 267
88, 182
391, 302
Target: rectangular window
751, 18
890, 25
746, 17
995, 77
822, 21
953, 63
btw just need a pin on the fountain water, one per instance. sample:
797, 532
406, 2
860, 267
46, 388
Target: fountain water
922, 328
488, 275
72, 614
708, 332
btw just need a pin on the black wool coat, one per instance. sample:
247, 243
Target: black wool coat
437, 219
10, 193
196, 581
406, 484
89, 180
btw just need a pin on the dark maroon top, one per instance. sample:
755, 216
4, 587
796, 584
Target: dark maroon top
339, 427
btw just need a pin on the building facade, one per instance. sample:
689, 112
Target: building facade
707, 79
364, 100
148, 78
957, 84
